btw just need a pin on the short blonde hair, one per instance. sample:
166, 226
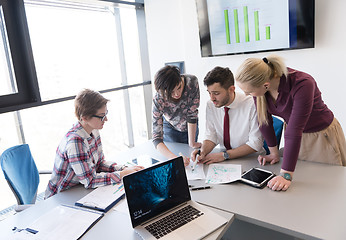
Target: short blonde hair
88, 102
256, 72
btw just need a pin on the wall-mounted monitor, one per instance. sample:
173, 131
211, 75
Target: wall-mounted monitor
246, 26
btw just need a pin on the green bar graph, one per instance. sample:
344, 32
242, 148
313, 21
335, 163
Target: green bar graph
236, 25
228, 37
240, 25
246, 24
267, 32
257, 33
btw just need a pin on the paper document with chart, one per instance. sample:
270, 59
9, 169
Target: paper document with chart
103, 198
223, 173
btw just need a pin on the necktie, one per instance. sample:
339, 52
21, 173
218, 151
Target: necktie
226, 137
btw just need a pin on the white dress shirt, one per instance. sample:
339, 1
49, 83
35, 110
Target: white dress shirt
242, 120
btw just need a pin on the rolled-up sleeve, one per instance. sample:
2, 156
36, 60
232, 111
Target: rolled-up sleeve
255, 140
194, 101
210, 131
157, 120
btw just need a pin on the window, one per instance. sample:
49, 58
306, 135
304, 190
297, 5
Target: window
69, 46
16, 61
9, 86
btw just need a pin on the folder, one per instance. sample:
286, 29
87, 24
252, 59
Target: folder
103, 198
61, 222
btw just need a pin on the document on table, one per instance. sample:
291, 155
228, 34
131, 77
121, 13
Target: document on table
223, 173
198, 173
62, 222
103, 198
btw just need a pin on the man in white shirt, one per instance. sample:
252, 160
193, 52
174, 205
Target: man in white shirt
241, 136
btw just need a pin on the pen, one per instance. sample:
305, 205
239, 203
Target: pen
199, 188
194, 163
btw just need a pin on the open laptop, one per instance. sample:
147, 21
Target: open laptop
161, 192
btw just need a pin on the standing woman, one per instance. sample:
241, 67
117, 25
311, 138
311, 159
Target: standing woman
79, 157
175, 110
312, 132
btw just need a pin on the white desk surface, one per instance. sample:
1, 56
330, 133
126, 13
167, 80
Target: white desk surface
312, 208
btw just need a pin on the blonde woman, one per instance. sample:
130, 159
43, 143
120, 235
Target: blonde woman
312, 132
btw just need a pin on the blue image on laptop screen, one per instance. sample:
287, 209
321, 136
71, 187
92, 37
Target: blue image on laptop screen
156, 189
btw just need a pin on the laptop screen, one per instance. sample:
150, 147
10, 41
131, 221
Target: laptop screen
156, 189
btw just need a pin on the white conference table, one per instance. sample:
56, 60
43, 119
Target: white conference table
114, 225
312, 208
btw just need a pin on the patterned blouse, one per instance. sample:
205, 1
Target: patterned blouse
79, 159
178, 114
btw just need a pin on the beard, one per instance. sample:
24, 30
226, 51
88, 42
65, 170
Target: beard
223, 102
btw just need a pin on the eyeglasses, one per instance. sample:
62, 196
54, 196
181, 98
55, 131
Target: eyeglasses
101, 117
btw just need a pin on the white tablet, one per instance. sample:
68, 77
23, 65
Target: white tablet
257, 177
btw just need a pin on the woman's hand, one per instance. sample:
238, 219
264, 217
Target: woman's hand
186, 160
272, 158
196, 145
128, 170
278, 183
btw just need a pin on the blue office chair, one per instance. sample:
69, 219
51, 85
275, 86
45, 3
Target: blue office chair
278, 126
21, 174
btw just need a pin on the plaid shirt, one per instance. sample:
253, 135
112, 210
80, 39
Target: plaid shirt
79, 159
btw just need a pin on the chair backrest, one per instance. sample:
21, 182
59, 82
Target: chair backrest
21, 173
278, 126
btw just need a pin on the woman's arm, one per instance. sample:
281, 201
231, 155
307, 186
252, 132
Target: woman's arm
192, 128
163, 149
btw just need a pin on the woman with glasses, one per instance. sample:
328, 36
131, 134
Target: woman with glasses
175, 110
79, 157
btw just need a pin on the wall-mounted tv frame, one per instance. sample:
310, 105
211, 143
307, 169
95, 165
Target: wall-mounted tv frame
229, 27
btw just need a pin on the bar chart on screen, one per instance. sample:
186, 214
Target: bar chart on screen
248, 24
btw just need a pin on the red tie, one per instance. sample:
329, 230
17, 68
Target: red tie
226, 137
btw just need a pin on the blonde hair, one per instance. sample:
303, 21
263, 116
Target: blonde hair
256, 72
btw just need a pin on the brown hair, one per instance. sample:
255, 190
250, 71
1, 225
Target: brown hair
166, 79
87, 102
220, 75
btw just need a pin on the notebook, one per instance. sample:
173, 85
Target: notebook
102, 198
161, 192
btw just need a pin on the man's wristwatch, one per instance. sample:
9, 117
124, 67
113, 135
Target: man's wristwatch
286, 176
226, 155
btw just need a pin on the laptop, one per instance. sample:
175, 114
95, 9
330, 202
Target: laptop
158, 196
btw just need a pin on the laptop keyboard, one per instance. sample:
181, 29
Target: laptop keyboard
173, 221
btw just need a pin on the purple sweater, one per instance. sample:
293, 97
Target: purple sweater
300, 104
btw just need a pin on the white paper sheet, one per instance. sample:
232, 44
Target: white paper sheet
223, 173
198, 173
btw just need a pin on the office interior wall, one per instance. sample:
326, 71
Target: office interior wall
173, 36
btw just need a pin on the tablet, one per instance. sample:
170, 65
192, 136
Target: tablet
257, 177
144, 160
